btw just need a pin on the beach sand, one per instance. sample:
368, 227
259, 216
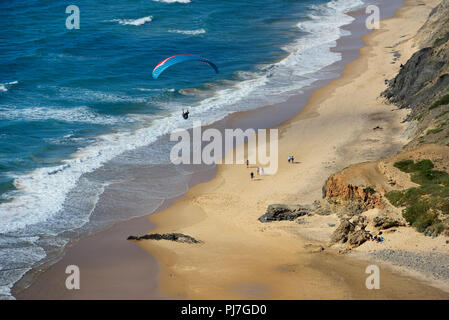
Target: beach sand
241, 257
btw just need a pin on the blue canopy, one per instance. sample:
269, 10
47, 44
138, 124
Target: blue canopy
164, 64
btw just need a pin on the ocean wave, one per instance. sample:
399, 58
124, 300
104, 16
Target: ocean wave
5, 86
134, 22
85, 96
311, 52
42, 193
46, 188
188, 32
156, 90
302, 66
78, 114
173, 1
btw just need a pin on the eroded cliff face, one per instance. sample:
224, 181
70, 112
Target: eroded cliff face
422, 85
409, 188
338, 189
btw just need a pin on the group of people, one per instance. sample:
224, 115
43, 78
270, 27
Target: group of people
259, 170
378, 238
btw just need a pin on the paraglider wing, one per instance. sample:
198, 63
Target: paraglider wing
164, 64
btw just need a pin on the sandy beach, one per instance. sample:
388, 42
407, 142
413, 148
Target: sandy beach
240, 257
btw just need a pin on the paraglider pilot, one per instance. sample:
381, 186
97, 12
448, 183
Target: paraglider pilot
185, 114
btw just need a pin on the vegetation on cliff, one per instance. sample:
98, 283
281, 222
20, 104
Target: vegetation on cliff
426, 206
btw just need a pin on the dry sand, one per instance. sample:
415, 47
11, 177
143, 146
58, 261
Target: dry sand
243, 258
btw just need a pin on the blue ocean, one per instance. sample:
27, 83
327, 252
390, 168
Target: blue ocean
79, 107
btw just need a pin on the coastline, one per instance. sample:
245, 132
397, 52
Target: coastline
44, 282
233, 262
191, 217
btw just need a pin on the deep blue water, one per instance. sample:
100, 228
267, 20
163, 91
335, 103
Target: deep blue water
72, 100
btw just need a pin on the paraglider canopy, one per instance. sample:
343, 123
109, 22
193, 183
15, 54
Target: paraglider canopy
164, 64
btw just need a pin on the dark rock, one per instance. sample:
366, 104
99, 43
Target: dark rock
384, 222
358, 237
341, 234
279, 212
177, 237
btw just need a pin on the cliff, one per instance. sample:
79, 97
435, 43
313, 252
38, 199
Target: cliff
422, 85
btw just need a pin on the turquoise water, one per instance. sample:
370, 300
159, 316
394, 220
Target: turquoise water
74, 101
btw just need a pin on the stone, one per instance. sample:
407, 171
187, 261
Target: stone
177, 237
280, 212
384, 222
357, 238
340, 235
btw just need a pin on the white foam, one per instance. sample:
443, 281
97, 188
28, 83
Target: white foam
306, 56
43, 191
134, 22
173, 1
78, 114
156, 90
188, 32
5, 86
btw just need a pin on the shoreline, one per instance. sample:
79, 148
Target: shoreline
262, 117
231, 263
240, 118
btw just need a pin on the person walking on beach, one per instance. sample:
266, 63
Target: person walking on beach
247, 163
258, 170
252, 175
261, 171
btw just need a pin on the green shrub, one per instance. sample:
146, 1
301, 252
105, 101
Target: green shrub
395, 198
404, 165
425, 164
436, 228
369, 190
424, 222
434, 131
422, 204
415, 211
444, 100
429, 177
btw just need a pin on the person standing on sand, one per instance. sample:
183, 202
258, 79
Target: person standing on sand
261, 171
258, 170
252, 175
247, 163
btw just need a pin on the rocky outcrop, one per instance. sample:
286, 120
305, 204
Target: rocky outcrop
357, 238
352, 233
423, 81
424, 76
338, 189
342, 232
384, 222
177, 237
279, 212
